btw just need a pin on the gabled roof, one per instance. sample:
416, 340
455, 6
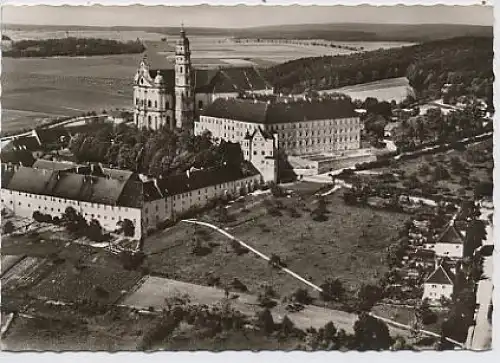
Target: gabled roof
451, 235
70, 185
185, 182
265, 134
441, 275
29, 143
52, 135
226, 80
17, 157
256, 111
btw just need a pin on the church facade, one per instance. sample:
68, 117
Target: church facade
174, 98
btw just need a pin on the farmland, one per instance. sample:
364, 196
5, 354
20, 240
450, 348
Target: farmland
385, 90
36, 89
355, 238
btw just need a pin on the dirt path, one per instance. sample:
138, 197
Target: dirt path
392, 324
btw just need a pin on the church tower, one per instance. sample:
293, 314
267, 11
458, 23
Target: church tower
184, 95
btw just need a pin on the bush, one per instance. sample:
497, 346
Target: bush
8, 227
265, 321
302, 296
332, 290
238, 285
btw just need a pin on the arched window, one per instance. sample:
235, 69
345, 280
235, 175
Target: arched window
149, 121
200, 104
149, 103
181, 69
156, 104
167, 105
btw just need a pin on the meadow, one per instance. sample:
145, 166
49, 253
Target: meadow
349, 245
385, 90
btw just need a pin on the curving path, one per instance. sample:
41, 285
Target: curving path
310, 284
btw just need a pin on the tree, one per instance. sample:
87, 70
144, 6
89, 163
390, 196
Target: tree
424, 314
275, 261
265, 321
302, 296
332, 290
94, 231
8, 227
367, 296
127, 227
319, 213
475, 234
371, 334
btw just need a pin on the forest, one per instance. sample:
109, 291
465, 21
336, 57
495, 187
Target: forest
465, 61
157, 153
72, 47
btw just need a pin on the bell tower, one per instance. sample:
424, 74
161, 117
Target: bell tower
184, 95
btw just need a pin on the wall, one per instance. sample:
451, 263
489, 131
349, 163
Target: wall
435, 291
296, 138
24, 204
448, 250
199, 198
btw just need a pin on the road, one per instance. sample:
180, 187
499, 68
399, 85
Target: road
62, 123
392, 324
481, 333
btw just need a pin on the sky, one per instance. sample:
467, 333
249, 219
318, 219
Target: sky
241, 16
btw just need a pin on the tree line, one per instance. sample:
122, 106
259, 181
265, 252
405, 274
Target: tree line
72, 47
428, 66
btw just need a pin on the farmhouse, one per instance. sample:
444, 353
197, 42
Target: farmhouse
302, 127
449, 244
174, 97
439, 284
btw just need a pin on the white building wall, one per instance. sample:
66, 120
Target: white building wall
24, 204
450, 250
434, 292
199, 198
297, 138
153, 213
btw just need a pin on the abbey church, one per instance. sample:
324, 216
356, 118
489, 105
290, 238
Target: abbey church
175, 97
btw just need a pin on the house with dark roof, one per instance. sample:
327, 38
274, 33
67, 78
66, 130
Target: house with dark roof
110, 195
439, 283
175, 97
195, 189
52, 187
449, 244
302, 127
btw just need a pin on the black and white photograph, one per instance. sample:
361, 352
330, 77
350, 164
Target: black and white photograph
247, 177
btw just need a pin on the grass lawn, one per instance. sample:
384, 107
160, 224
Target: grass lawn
350, 245
406, 315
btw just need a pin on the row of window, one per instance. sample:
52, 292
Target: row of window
61, 211
277, 127
150, 103
66, 201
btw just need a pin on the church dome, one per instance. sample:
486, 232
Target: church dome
159, 78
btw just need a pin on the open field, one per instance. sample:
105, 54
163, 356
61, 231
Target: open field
155, 289
38, 88
350, 246
386, 90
